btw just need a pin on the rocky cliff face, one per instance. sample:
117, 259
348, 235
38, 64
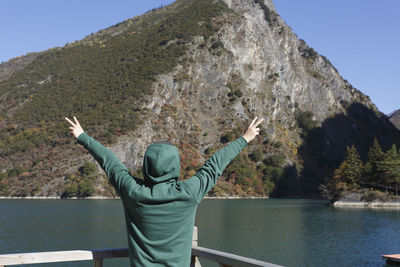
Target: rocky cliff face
395, 118
277, 74
254, 65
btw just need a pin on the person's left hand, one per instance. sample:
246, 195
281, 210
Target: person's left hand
76, 129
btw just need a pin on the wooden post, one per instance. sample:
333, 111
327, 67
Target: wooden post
98, 262
195, 260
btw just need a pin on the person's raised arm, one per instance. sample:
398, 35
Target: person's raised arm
207, 176
117, 173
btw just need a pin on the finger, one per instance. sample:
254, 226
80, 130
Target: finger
258, 123
254, 120
70, 122
76, 120
71, 128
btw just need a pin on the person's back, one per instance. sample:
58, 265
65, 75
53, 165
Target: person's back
160, 221
160, 210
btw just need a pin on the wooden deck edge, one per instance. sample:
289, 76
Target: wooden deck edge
392, 259
392, 256
62, 256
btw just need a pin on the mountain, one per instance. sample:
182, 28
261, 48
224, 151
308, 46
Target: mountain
193, 73
394, 117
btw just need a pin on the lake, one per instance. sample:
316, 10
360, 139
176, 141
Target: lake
286, 232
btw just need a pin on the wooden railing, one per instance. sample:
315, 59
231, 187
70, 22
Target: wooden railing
224, 259
227, 259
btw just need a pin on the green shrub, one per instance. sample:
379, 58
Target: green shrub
238, 93
257, 155
85, 189
277, 160
305, 120
217, 44
88, 168
277, 144
235, 92
230, 136
21, 193
70, 191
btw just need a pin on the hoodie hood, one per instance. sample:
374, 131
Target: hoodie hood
161, 163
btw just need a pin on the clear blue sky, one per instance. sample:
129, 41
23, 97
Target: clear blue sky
360, 37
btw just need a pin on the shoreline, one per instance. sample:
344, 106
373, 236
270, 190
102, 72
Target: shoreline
360, 204
106, 198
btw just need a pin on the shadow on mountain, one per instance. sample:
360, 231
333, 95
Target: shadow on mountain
289, 185
324, 148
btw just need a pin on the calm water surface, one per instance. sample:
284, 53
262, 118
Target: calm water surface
285, 232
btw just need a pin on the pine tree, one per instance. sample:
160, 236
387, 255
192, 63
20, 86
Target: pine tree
390, 167
352, 173
392, 153
375, 154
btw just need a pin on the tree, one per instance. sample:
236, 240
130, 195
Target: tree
70, 191
349, 173
375, 155
392, 153
352, 174
85, 189
390, 167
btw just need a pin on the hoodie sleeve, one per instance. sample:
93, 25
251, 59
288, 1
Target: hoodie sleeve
118, 175
207, 176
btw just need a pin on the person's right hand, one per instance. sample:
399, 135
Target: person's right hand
75, 128
252, 131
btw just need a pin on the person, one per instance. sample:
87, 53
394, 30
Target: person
160, 209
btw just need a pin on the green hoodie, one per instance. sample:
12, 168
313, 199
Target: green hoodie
160, 210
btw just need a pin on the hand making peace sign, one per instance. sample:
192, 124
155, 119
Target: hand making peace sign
252, 131
75, 128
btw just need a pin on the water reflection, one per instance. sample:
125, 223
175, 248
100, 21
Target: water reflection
299, 232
